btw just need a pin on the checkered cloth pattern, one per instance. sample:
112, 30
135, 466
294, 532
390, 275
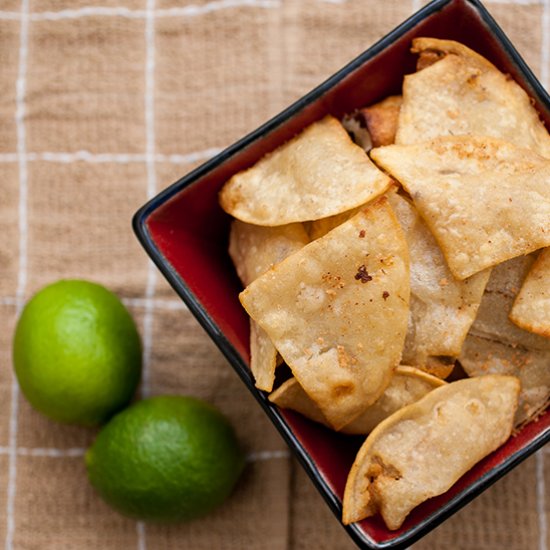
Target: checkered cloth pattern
102, 104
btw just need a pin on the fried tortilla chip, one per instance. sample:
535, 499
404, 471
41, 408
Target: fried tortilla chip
531, 310
337, 311
319, 228
255, 249
485, 200
492, 316
263, 358
380, 120
462, 93
319, 173
441, 366
290, 395
421, 450
407, 386
442, 307
497, 346
482, 355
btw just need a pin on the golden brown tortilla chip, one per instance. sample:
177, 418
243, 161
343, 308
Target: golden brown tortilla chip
380, 120
407, 386
482, 355
497, 346
255, 249
337, 311
319, 173
463, 93
290, 395
531, 310
421, 450
442, 308
492, 318
321, 227
485, 200
440, 366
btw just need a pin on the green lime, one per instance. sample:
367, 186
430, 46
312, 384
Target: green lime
167, 458
77, 353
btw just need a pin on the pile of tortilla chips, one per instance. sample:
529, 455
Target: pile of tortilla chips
382, 253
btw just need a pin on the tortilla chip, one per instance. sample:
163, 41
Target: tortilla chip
337, 311
531, 310
407, 386
497, 346
485, 200
442, 308
319, 173
290, 395
462, 93
319, 228
255, 249
426, 58
482, 355
440, 366
380, 120
493, 315
421, 450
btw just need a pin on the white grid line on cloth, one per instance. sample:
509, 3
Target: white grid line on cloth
541, 501
52, 452
151, 190
545, 46
267, 455
22, 271
141, 543
157, 303
120, 158
151, 185
46, 452
104, 11
186, 11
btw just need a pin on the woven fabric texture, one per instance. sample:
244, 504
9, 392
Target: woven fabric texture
103, 103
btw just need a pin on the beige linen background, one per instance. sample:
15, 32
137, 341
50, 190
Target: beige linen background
102, 104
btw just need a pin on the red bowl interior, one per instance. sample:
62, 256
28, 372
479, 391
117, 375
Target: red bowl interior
189, 231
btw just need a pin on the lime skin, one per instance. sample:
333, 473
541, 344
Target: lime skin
165, 459
77, 353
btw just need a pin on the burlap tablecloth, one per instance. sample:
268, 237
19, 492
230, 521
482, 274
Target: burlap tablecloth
105, 102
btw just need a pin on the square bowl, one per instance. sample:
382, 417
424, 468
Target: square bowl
185, 232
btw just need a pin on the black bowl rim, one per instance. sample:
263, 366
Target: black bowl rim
139, 224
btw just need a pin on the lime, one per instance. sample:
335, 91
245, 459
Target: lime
77, 353
166, 458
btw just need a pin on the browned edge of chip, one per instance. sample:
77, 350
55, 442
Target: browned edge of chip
537, 281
